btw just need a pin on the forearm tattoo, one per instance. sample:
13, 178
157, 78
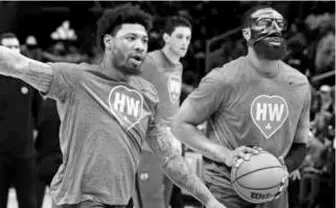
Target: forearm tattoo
174, 165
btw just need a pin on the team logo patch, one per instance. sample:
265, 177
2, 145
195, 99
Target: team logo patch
269, 113
174, 88
126, 105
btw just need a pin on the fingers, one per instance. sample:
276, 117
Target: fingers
238, 162
259, 149
248, 150
298, 175
243, 155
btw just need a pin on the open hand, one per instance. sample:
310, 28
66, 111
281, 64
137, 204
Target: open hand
240, 154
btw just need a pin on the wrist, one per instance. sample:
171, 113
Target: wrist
212, 200
224, 154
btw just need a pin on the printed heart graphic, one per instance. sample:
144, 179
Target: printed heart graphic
174, 87
126, 105
269, 113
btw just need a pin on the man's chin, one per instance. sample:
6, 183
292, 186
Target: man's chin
132, 71
270, 50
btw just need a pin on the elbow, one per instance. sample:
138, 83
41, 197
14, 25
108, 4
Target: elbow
177, 129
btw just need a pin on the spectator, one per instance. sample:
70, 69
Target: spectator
31, 48
19, 107
296, 56
325, 56
49, 155
323, 118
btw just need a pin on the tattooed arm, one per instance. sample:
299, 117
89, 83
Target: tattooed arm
35, 73
175, 166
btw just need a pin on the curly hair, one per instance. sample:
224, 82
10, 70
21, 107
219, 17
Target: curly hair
112, 19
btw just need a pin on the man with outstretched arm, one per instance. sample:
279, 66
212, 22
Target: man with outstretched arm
106, 113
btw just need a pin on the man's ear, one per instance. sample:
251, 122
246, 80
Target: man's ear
165, 37
108, 41
246, 33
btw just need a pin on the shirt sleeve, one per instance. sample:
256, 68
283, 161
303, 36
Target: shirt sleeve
211, 93
65, 79
302, 130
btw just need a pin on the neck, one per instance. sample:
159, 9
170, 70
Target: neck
173, 57
109, 70
263, 66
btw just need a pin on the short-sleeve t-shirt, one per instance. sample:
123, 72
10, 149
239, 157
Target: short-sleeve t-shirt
103, 126
245, 107
167, 79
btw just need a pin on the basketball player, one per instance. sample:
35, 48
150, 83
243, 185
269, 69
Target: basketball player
164, 70
255, 100
106, 113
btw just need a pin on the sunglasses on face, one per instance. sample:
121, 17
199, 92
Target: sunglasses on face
268, 22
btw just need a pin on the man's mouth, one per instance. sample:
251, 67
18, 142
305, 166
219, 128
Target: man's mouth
136, 59
274, 39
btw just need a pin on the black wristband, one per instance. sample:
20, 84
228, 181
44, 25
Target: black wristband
295, 156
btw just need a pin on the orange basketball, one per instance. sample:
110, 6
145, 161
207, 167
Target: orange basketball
259, 179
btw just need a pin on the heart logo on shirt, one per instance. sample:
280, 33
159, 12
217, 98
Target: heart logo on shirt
174, 88
269, 113
126, 105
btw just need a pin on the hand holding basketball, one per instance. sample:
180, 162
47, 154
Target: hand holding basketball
239, 154
261, 179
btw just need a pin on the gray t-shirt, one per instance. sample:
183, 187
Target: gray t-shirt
103, 126
244, 107
167, 79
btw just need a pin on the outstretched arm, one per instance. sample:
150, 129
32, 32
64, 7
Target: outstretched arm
175, 166
37, 74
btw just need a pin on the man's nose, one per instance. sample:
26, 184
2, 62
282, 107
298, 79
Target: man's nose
276, 27
140, 45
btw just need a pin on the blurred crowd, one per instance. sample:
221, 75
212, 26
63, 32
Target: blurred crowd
311, 50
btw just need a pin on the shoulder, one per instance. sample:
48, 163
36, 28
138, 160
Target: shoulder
293, 75
150, 63
71, 68
145, 87
227, 74
152, 57
298, 80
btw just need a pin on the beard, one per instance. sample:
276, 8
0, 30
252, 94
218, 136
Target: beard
266, 50
122, 63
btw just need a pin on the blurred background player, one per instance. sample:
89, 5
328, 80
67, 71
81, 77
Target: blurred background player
164, 70
19, 111
239, 101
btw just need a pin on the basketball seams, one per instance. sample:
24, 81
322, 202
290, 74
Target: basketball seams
265, 168
272, 167
258, 189
241, 194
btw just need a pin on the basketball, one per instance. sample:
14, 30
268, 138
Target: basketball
258, 180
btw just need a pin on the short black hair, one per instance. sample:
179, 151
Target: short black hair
249, 12
175, 21
7, 35
112, 19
